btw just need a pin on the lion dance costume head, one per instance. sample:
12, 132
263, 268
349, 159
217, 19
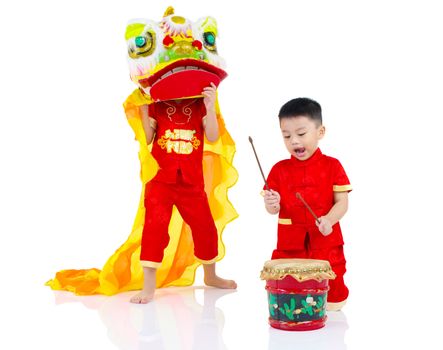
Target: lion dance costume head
171, 59
174, 58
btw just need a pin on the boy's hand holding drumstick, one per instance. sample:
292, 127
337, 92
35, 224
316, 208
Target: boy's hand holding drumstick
272, 201
323, 223
271, 197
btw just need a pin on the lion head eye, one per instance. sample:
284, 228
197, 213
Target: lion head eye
143, 45
209, 41
140, 41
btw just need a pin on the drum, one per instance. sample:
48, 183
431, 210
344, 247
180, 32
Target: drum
297, 292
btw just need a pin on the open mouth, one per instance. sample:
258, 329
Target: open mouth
182, 79
300, 152
187, 64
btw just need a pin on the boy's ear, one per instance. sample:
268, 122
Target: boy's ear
321, 131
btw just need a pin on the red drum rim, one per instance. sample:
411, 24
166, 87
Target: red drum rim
298, 326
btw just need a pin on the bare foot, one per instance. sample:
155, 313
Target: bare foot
218, 282
147, 293
142, 297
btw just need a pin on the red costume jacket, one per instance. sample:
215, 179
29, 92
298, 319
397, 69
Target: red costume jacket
316, 179
179, 139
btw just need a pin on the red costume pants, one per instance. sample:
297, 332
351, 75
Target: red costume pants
192, 203
338, 291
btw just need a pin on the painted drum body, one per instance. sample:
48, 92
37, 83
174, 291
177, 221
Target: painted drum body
297, 293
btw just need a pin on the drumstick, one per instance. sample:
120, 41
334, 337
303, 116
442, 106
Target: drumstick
258, 162
298, 195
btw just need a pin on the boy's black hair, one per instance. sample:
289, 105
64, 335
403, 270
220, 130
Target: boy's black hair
301, 106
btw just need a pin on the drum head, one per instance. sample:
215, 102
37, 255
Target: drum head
300, 269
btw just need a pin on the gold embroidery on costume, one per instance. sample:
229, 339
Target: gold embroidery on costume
186, 110
284, 221
343, 188
180, 141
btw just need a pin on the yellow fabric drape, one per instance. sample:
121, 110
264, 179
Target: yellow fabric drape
123, 272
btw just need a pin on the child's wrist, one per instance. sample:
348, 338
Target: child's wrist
211, 113
331, 221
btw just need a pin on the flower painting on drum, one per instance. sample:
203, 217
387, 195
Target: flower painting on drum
298, 307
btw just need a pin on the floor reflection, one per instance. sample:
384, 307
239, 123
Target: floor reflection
176, 319
332, 336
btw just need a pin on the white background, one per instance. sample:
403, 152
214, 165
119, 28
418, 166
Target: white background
70, 184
